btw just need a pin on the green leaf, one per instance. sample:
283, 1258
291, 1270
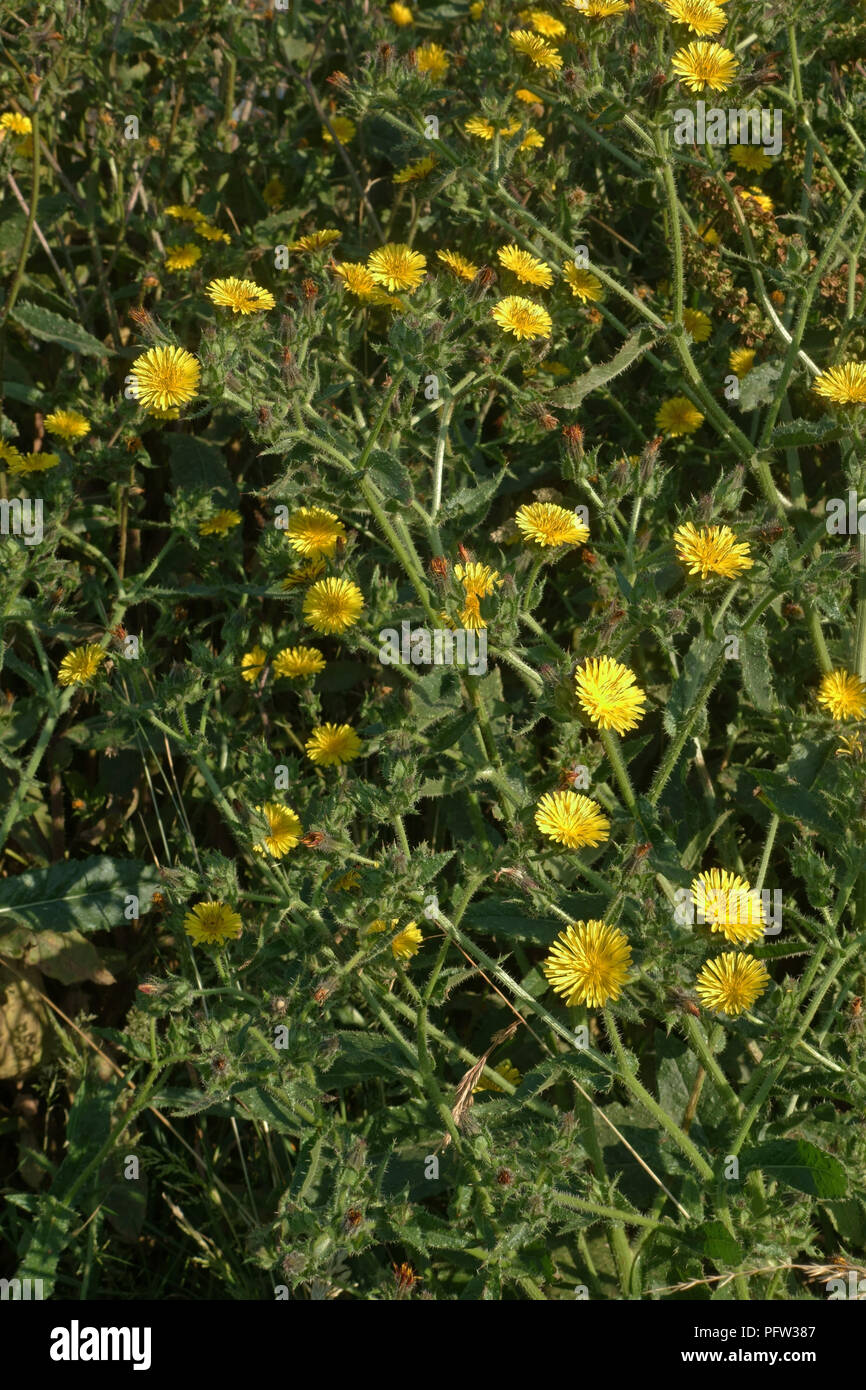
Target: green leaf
390, 476
87, 894
805, 434
197, 466
53, 328
758, 387
757, 669
797, 1163
790, 801
634, 347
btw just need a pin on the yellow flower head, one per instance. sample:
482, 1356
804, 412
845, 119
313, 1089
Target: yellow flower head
29, 463
357, 279
68, 424
727, 903
330, 745
165, 377
845, 385
544, 23
314, 531
754, 195
751, 157
742, 360
584, 285
397, 267
458, 264
241, 296
304, 573
284, 829
332, 605
344, 129
182, 257
211, 924
220, 523
407, 943
316, 241
523, 94
203, 228
702, 65
477, 578
506, 1071
81, 665
571, 819
253, 663
701, 16
418, 170
843, 695
292, 663
545, 523
678, 416
347, 883
588, 963
610, 696
183, 213
730, 983
542, 54
522, 317
14, 121
274, 192
712, 550
697, 324
400, 14
598, 9
432, 59
529, 269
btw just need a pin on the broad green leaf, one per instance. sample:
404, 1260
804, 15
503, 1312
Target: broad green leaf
85, 894
797, 1163
54, 328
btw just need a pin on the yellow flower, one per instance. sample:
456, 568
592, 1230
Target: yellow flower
712, 550
241, 296
314, 531
503, 1069
210, 924
253, 663
182, 257
542, 54
698, 324
316, 241
419, 170
731, 983
284, 829
293, 662
742, 360
608, 693
220, 523
430, 57
476, 9
477, 125
329, 745
598, 9
30, 463
14, 121
203, 228
407, 943
304, 573
8, 453
850, 746
274, 192
845, 385
183, 213
397, 266
523, 94
544, 23
571, 819
344, 129
588, 963
477, 578
460, 266
400, 14
379, 925
68, 424
584, 284
332, 605
81, 665
356, 278
843, 695
470, 614
754, 195
751, 157
702, 65
547, 524
522, 317
701, 16
529, 269
165, 377
348, 882
678, 416
727, 903
708, 234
